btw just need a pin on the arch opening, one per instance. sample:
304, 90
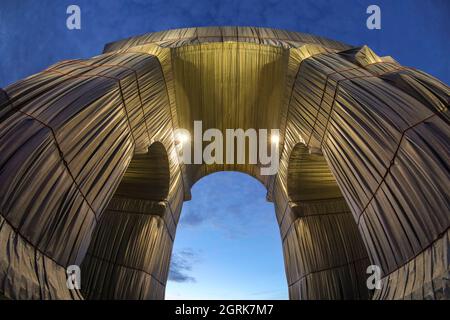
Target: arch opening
227, 243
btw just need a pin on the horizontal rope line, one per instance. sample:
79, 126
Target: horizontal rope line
329, 268
167, 93
25, 239
83, 62
181, 167
120, 90
392, 163
144, 214
323, 92
63, 160
124, 266
312, 215
59, 151
419, 253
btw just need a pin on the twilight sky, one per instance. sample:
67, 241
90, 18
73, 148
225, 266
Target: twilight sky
229, 247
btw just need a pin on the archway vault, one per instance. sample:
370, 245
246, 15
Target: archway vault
89, 173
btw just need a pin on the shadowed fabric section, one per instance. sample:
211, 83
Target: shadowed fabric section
130, 251
147, 176
129, 256
310, 177
324, 253
424, 277
80, 123
382, 129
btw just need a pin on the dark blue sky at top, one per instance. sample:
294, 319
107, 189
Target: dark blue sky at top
226, 245
33, 33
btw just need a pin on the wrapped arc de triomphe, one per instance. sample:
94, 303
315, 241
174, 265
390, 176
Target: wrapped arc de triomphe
89, 172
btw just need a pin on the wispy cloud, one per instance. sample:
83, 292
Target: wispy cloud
182, 264
192, 218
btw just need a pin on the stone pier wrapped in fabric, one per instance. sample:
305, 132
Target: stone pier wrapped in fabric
90, 173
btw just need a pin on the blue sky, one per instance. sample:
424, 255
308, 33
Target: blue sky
33, 34
229, 247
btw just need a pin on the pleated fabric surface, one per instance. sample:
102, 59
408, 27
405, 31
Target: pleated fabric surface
363, 174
